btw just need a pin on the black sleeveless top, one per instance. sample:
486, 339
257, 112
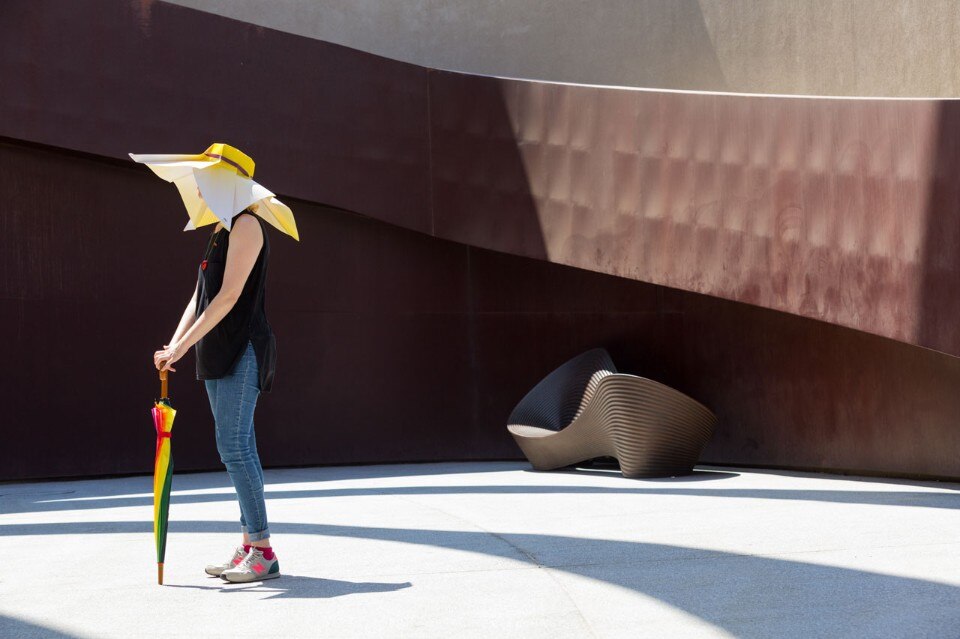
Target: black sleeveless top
220, 350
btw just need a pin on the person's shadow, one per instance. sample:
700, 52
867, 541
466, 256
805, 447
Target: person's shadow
295, 587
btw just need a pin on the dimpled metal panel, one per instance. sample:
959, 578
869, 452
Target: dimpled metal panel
841, 210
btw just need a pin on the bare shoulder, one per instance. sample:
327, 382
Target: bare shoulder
246, 225
246, 230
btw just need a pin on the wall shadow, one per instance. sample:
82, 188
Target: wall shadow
917, 499
747, 596
939, 301
14, 628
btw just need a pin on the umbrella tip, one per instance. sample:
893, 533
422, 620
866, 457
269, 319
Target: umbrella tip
160, 574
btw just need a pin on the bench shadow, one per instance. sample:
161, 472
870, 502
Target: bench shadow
607, 470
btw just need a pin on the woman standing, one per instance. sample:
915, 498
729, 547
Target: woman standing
226, 322
236, 356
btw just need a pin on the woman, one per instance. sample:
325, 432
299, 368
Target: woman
236, 355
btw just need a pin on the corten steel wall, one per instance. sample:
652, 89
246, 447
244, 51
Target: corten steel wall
841, 210
837, 210
393, 345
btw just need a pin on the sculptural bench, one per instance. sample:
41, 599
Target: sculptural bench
586, 409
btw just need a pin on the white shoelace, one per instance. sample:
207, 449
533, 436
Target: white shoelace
252, 557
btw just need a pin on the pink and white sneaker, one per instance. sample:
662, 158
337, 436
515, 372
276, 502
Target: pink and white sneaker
253, 567
216, 569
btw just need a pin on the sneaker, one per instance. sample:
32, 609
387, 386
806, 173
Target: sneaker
215, 570
253, 567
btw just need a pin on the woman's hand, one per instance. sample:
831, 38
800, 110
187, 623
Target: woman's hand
170, 354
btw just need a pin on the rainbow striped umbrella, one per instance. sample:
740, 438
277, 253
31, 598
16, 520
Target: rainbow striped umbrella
163, 414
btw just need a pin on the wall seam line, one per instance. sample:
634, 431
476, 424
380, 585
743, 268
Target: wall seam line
430, 154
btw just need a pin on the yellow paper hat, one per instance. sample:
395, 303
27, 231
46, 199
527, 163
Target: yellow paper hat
223, 174
234, 157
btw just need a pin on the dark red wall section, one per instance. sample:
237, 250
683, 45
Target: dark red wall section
442, 216
393, 345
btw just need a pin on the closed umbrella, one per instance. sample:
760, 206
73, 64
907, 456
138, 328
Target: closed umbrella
163, 414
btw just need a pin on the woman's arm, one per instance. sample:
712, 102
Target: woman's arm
246, 240
189, 317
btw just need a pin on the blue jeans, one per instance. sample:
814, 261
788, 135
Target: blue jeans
233, 399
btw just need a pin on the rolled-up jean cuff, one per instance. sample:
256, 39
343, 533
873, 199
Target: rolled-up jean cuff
255, 537
260, 536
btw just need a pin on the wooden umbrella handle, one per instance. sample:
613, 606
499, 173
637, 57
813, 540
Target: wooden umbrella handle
163, 382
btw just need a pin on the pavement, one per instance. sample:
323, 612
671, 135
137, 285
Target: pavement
490, 549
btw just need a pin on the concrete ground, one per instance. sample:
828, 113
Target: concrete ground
490, 549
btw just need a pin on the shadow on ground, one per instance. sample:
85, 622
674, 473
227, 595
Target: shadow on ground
748, 596
13, 628
60, 500
299, 587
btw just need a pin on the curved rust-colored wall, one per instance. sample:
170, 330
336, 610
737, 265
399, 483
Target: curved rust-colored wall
836, 210
842, 210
